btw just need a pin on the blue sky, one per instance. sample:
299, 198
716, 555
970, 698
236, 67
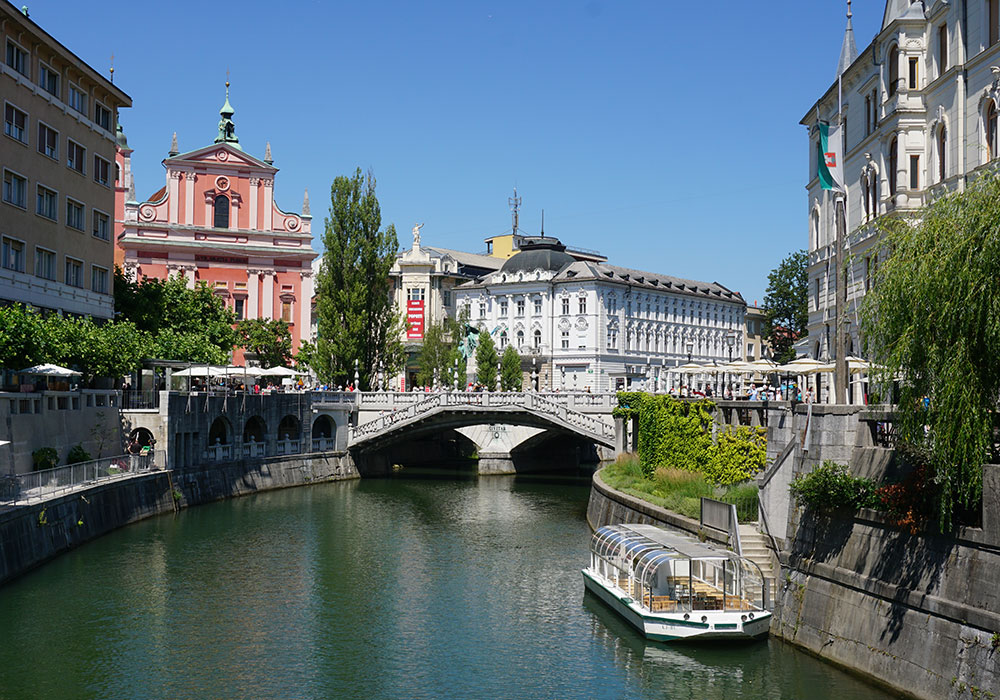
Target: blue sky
663, 134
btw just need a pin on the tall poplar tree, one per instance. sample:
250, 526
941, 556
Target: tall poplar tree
786, 305
356, 316
487, 361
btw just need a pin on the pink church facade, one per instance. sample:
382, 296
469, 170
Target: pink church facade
216, 220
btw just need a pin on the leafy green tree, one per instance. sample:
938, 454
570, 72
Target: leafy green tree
305, 357
931, 326
181, 321
786, 310
357, 319
511, 377
270, 339
25, 338
487, 361
435, 354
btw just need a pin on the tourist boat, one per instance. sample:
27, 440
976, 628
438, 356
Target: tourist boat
672, 587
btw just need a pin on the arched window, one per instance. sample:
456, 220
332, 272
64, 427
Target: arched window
990, 124
520, 339
221, 211
893, 70
942, 150
503, 339
893, 160
538, 339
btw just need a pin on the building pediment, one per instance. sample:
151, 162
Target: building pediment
219, 154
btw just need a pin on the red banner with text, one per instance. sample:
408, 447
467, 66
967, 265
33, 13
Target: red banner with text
415, 319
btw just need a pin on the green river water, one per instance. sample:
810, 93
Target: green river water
391, 588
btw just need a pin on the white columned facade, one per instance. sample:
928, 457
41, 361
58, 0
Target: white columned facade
268, 203
174, 183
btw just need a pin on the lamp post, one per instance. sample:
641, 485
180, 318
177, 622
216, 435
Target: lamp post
534, 373
690, 349
454, 373
357, 376
562, 377
730, 341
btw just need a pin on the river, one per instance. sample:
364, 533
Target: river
388, 588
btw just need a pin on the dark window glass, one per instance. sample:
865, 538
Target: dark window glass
221, 211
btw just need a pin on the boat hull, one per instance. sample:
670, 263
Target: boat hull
673, 627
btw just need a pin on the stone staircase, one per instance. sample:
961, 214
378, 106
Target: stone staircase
756, 549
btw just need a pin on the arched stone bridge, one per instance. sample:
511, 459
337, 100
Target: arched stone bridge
455, 410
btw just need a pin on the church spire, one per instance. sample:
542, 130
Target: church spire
227, 130
849, 50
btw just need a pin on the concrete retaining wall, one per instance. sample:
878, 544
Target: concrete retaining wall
31, 535
608, 506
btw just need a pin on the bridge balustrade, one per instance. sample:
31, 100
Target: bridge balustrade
254, 449
218, 453
323, 444
288, 447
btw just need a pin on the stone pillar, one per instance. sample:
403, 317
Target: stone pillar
254, 183
305, 304
173, 192
268, 204
621, 438
189, 198
253, 291
991, 503
267, 311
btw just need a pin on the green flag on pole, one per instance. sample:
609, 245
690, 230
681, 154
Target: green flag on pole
831, 172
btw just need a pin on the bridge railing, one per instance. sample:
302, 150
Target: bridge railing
531, 401
394, 400
17, 488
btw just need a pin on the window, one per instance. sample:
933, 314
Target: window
15, 123
520, 339
482, 309
221, 211
583, 305
102, 171
48, 79
565, 307
102, 115
612, 339
503, 339
914, 172
519, 307
47, 203
993, 19
75, 154
286, 311
102, 228
45, 264
868, 115
17, 58
565, 340
503, 308
77, 99
489, 247
942, 49
868, 273
893, 160
99, 279
893, 71
48, 141
991, 130
238, 308
14, 189
12, 256
538, 307
74, 214
874, 110
537, 339
415, 294
74, 272
913, 73
446, 294
942, 150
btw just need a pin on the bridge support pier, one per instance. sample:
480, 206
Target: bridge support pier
496, 463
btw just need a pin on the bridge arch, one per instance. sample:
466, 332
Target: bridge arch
289, 428
220, 432
324, 427
255, 430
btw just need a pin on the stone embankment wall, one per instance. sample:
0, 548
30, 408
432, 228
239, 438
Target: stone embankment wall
915, 612
608, 506
33, 534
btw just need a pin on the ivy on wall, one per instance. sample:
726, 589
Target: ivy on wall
677, 434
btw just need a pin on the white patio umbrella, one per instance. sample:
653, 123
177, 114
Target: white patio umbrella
857, 364
281, 372
804, 365
50, 370
691, 368
201, 371
764, 366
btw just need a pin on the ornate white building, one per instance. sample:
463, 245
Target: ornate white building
920, 112
590, 325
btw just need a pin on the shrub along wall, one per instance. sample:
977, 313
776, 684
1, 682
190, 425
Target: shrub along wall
678, 435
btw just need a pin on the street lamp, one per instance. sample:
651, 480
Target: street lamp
454, 373
357, 377
690, 349
534, 373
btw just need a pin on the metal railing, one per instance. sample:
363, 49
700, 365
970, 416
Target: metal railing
140, 399
34, 486
722, 516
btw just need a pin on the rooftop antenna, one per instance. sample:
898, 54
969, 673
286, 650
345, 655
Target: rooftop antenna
515, 204
112, 69
543, 223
